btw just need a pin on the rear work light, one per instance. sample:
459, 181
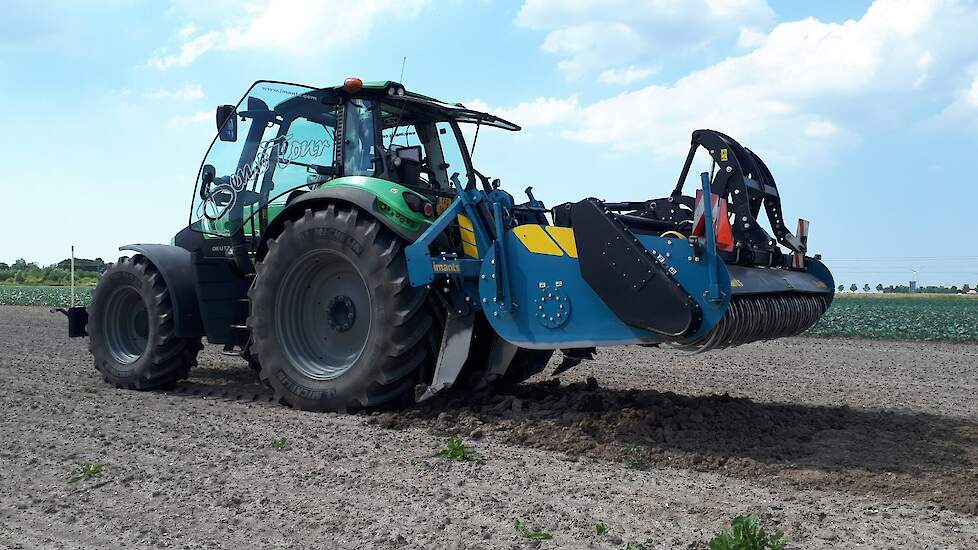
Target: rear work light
418, 204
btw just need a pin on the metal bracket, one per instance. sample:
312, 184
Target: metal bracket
421, 268
454, 351
501, 356
503, 294
77, 320
712, 287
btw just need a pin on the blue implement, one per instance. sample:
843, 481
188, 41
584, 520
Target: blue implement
555, 308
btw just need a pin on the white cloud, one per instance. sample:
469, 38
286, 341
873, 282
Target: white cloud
923, 63
819, 128
189, 52
596, 35
786, 96
200, 117
295, 27
593, 45
542, 111
187, 32
750, 38
187, 92
964, 108
629, 75
971, 94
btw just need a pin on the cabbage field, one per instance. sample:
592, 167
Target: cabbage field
54, 296
934, 317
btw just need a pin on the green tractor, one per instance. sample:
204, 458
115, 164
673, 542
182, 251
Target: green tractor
341, 242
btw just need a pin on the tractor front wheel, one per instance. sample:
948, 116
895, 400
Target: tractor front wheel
335, 322
131, 328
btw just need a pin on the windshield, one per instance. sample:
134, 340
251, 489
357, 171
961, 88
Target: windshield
285, 142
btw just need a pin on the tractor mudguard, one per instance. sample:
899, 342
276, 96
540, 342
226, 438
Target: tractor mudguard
359, 197
177, 267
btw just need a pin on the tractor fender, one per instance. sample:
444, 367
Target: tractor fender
176, 265
319, 198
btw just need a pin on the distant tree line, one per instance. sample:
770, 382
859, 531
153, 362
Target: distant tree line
953, 289
23, 272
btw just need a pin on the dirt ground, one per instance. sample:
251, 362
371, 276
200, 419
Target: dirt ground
839, 443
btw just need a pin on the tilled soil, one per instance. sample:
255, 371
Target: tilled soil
839, 443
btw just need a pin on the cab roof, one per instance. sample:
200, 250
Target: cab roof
391, 92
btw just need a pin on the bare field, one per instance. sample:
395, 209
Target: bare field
839, 443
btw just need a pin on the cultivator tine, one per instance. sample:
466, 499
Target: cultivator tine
455, 346
501, 355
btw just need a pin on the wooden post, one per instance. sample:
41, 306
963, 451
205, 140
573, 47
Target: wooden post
72, 275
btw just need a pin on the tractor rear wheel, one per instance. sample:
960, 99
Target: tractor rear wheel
131, 328
336, 324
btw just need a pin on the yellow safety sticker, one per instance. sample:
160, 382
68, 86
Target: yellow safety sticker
565, 238
723, 154
468, 237
736, 282
535, 239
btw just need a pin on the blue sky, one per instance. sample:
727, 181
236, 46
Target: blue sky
866, 112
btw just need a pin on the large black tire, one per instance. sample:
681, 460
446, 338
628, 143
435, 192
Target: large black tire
131, 329
335, 322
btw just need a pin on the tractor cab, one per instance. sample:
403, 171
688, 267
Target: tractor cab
282, 141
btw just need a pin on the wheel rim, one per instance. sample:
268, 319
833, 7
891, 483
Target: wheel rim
126, 325
323, 314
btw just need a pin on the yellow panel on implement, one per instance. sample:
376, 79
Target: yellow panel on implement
565, 238
536, 240
468, 237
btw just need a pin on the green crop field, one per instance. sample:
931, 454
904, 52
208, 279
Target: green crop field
938, 317
57, 296
933, 317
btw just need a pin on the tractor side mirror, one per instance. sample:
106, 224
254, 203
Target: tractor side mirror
207, 174
227, 123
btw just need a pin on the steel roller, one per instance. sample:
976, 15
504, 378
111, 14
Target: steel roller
756, 317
